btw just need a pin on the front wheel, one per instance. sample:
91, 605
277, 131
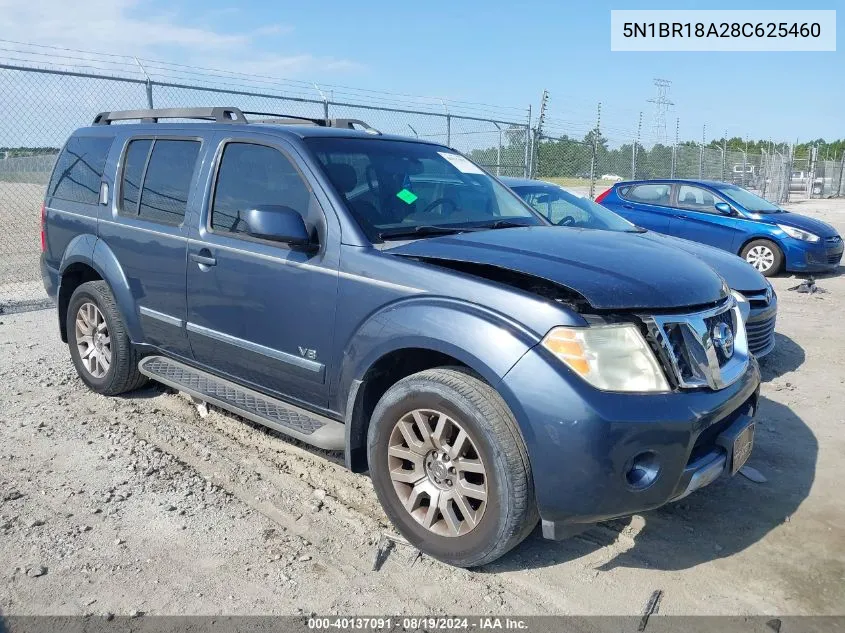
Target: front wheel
765, 256
450, 468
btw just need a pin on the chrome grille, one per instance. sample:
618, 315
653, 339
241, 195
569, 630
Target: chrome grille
688, 351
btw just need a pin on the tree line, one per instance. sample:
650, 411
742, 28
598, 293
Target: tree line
571, 157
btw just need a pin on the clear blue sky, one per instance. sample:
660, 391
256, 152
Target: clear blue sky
492, 52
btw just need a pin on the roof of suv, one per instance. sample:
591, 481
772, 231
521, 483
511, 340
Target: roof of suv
300, 131
234, 119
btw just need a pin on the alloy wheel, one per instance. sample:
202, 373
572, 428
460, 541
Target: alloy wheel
93, 340
761, 257
437, 472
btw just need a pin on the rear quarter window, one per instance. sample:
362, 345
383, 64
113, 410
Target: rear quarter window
648, 194
79, 169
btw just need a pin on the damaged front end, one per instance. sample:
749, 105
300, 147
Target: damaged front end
697, 347
515, 279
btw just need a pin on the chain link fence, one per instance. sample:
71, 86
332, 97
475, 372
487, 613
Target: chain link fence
593, 164
43, 107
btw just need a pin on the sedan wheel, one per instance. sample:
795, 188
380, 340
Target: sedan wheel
93, 340
761, 257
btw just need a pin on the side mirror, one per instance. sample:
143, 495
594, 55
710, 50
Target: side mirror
278, 224
724, 207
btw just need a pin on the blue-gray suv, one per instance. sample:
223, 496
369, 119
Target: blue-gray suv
386, 297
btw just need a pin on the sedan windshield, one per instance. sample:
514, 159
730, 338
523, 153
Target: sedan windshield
746, 199
407, 190
560, 207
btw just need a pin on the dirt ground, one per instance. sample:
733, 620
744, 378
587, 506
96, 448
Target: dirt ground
139, 504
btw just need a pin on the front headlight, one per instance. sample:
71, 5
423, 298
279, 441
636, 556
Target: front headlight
744, 305
609, 357
798, 234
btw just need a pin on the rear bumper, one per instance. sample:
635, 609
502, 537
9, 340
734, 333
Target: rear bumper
583, 443
50, 278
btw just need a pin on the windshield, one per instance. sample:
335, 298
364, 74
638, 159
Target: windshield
407, 189
560, 207
748, 200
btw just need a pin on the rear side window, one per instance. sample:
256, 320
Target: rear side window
133, 172
157, 178
79, 169
697, 199
252, 175
648, 194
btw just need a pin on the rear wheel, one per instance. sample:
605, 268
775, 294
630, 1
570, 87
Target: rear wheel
450, 468
765, 256
102, 353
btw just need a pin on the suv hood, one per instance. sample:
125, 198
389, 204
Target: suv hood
814, 226
612, 271
739, 274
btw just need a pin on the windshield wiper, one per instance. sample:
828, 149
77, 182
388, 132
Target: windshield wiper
503, 224
423, 230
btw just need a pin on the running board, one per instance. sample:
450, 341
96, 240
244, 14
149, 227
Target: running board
280, 416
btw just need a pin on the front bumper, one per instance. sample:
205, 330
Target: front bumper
582, 441
808, 257
710, 462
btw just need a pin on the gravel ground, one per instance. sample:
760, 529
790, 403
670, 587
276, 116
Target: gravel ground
139, 504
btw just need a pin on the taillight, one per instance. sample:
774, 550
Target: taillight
603, 195
44, 228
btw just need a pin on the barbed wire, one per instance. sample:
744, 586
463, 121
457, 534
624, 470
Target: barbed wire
140, 68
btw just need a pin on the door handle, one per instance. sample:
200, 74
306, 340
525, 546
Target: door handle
204, 258
627, 206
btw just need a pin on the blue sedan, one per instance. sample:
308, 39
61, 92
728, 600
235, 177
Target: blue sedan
731, 218
755, 294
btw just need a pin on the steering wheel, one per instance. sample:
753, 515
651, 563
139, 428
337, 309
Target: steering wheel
369, 174
566, 220
440, 202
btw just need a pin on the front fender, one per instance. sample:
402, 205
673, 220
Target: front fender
488, 342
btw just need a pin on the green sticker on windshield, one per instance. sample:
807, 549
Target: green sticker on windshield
408, 197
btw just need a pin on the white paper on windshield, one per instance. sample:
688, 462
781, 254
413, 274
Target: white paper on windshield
460, 163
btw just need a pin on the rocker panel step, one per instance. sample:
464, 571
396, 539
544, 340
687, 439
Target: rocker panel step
286, 418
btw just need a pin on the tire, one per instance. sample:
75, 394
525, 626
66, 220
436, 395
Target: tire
479, 527
105, 360
764, 255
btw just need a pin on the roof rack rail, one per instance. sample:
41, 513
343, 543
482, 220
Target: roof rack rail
287, 119
218, 115
226, 115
